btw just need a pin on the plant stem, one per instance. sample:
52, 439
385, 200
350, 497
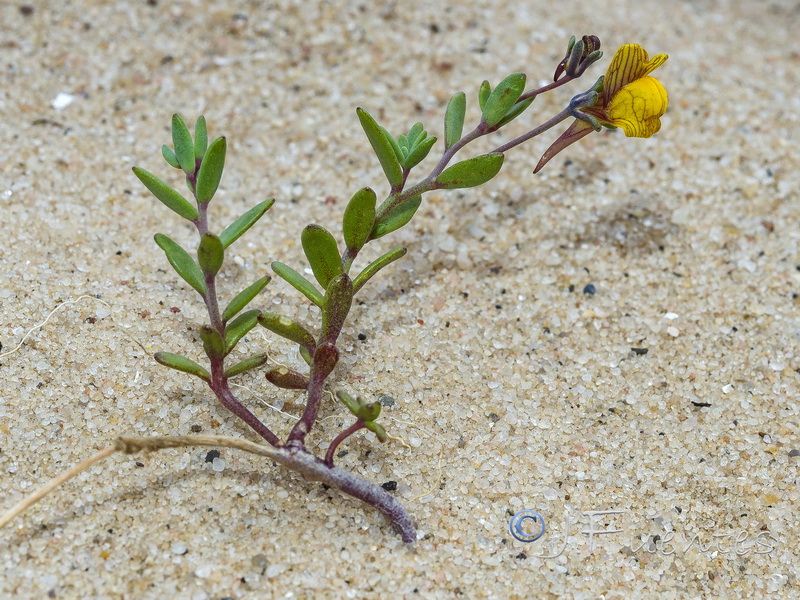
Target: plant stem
552, 122
292, 458
343, 435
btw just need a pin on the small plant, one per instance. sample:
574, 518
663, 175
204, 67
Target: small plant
626, 97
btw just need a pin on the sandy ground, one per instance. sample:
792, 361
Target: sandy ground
513, 388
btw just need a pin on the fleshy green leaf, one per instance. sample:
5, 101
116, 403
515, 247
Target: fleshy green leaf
376, 265
200, 138
418, 154
359, 218
169, 196
338, 298
287, 379
415, 134
183, 144
353, 404
169, 156
238, 328
454, 119
298, 282
383, 149
306, 355
183, 264
483, 94
516, 111
322, 253
212, 342
502, 98
398, 152
244, 297
289, 329
236, 229
377, 429
397, 218
471, 172
181, 363
210, 254
247, 364
211, 171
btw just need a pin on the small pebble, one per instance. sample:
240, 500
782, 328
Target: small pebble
212, 454
589, 289
389, 486
794, 452
178, 547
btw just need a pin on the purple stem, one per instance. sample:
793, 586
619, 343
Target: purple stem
343, 435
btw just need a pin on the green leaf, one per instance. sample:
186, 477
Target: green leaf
247, 364
181, 363
183, 264
454, 119
415, 134
371, 411
169, 156
419, 152
398, 152
244, 297
400, 216
200, 138
289, 329
516, 111
287, 379
213, 344
306, 355
169, 196
502, 98
338, 299
353, 404
471, 172
211, 171
238, 328
236, 229
322, 253
210, 254
298, 282
183, 144
383, 149
359, 218
376, 265
377, 429
483, 94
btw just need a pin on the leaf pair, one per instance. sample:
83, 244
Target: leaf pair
412, 148
500, 106
367, 413
188, 154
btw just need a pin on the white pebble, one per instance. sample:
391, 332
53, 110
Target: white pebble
178, 547
218, 464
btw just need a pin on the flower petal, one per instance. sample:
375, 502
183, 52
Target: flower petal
638, 107
629, 64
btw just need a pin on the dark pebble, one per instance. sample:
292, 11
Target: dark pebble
794, 452
212, 455
389, 486
589, 289
521, 556
640, 351
362, 336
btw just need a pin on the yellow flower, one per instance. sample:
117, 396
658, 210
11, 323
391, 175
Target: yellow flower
630, 99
